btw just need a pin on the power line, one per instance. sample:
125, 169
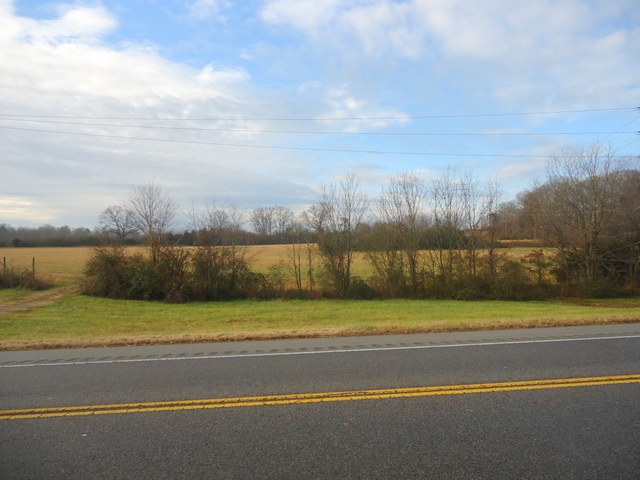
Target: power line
280, 147
309, 132
320, 119
618, 131
627, 145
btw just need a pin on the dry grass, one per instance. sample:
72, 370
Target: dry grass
63, 266
290, 334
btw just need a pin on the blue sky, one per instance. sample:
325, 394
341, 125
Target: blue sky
259, 103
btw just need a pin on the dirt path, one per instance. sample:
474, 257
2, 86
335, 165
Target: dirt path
30, 300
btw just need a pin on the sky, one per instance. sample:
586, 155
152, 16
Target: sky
256, 103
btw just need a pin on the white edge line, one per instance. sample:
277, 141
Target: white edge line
318, 352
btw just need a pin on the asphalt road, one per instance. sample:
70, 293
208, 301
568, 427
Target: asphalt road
308, 409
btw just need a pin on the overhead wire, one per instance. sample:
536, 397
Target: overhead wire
280, 147
619, 130
61, 120
320, 119
308, 132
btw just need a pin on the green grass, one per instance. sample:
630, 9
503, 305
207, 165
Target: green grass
76, 320
62, 318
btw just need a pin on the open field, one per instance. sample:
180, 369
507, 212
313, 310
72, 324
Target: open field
62, 318
64, 265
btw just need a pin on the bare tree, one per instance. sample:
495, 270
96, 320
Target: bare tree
153, 212
335, 219
463, 210
402, 220
491, 197
275, 220
387, 260
621, 243
262, 220
223, 224
301, 255
472, 214
117, 221
447, 208
511, 220
283, 220
222, 257
581, 206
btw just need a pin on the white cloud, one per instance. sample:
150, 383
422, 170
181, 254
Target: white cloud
379, 26
64, 67
567, 43
201, 9
360, 114
23, 209
310, 16
78, 22
348, 63
384, 27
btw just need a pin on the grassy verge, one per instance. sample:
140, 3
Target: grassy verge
77, 321
60, 318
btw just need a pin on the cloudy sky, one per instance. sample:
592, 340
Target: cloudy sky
260, 102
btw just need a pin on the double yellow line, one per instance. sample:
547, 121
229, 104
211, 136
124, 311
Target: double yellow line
314, 397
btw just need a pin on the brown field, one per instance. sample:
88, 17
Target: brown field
64, 265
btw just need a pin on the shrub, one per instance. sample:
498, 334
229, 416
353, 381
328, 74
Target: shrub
472, 287
512, 281
107, 273
173, 276
22, 278
360, 290
142, 280
300, 294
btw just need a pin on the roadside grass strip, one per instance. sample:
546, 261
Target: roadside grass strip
258, 401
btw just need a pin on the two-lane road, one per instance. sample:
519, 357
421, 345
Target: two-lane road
543, 403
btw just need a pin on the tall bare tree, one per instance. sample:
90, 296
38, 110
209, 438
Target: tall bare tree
581, 206
463, 210
153, 212
275, 220
402, 221
448, 221
222, 257
341, 208
300, 255
262, 220
283, 220
491, 195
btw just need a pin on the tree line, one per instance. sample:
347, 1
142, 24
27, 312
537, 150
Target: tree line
435, 238
48, 236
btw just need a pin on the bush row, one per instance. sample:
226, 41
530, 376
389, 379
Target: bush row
176, 275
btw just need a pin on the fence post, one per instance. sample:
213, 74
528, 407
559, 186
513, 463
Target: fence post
33, 266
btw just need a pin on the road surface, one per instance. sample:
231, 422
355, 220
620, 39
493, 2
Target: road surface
539, 403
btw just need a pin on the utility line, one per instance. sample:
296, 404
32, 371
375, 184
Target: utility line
407, 134
319, 119
618, 131
276, 147
627, 145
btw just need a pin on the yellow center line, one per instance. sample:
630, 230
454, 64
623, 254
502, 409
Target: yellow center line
303, 398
